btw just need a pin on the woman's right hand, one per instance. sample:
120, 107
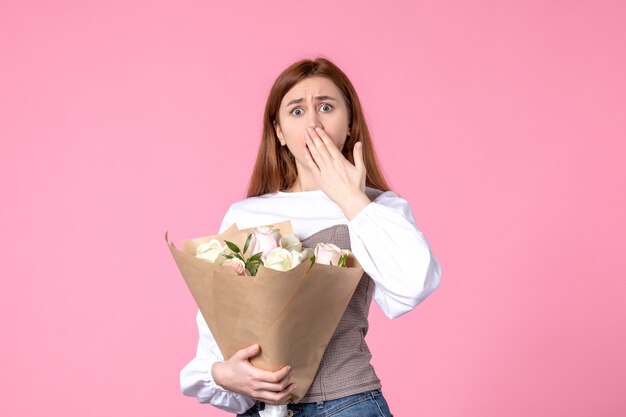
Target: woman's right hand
237, 374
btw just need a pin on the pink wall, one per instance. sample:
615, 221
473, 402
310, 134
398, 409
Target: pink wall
502, 122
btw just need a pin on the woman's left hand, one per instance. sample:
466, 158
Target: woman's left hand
343, 182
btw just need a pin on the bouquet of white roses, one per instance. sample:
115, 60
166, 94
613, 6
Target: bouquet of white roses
271, 250
261, 286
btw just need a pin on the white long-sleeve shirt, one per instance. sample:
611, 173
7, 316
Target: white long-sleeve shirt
384, 239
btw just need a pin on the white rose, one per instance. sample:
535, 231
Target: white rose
305, 254
291, 242
212, 251
281, 259
297, 257
265, 239
238, 265
328, 254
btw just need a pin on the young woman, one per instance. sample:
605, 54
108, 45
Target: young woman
316, 167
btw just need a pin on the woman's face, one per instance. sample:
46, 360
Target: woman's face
313, 102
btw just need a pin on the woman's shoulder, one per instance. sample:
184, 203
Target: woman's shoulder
390, 199
253, 201
383, 197
250, 204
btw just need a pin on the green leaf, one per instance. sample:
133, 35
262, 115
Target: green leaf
343, 261
253, 267
312, 261
232, 246
229, 256
245, 247
256, 256
251, 261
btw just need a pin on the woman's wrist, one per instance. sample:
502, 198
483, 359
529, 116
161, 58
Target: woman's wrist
216, 372
354, 203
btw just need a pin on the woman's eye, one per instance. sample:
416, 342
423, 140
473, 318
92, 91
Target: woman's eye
324, 107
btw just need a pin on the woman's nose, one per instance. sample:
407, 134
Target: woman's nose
314, 122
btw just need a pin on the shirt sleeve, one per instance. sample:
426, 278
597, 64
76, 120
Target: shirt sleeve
385, 240
196, 379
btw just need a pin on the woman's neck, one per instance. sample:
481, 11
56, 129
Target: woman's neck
305, 181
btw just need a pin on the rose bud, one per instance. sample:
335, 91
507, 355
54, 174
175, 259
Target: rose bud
238, 265
328, 254
265, 239
211, 251
282, 260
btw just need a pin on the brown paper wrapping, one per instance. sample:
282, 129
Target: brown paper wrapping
291, 315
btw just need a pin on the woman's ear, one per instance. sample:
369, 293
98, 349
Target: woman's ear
279, 133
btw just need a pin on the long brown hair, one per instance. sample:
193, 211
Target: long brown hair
275, 167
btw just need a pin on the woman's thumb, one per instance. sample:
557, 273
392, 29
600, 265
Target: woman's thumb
248, 352
358, 156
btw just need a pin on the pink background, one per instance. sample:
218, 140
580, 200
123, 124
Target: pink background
502, 122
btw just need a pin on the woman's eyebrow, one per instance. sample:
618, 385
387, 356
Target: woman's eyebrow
300, 100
